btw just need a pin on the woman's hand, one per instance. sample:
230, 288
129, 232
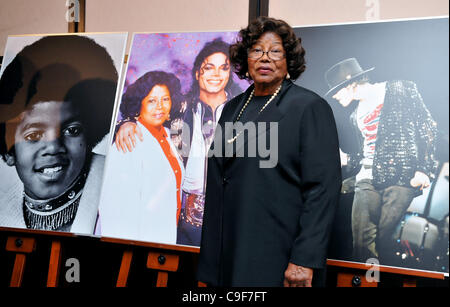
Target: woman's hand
297, 276
125, 138
420, 179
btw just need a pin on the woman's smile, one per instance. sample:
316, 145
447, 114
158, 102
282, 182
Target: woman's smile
159, 115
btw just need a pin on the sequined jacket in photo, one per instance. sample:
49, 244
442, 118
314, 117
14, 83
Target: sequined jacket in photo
406, 138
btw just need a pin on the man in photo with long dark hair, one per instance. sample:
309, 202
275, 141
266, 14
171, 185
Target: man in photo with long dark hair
394, 156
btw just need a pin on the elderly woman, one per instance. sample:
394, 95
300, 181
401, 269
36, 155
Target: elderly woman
141, 198
270, 226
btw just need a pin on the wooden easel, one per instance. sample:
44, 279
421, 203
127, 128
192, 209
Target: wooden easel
353, 274
161, 257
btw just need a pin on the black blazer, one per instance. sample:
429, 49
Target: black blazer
256, 220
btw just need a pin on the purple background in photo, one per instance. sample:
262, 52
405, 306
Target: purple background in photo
171, 52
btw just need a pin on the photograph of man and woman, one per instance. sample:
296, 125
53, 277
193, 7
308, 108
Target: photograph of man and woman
57, 95
175, 88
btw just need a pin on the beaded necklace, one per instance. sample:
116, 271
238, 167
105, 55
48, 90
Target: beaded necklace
229, 141
55, 213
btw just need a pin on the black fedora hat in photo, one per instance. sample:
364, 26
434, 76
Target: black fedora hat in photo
342, 73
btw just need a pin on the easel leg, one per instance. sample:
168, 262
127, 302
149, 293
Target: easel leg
19, 268
54, 265
124, 268
163, 277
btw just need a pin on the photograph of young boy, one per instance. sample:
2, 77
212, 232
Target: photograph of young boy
58, 95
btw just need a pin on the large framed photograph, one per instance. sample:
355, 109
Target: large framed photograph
387, 83
175, 88
57, 96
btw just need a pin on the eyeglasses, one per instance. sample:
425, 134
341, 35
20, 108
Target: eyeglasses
257, 53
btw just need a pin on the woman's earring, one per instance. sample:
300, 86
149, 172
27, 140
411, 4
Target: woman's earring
288, 76
247, 75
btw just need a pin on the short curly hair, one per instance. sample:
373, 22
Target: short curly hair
247, 37
132, 99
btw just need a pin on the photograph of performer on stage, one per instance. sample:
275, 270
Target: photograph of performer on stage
396, 157
390, 101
